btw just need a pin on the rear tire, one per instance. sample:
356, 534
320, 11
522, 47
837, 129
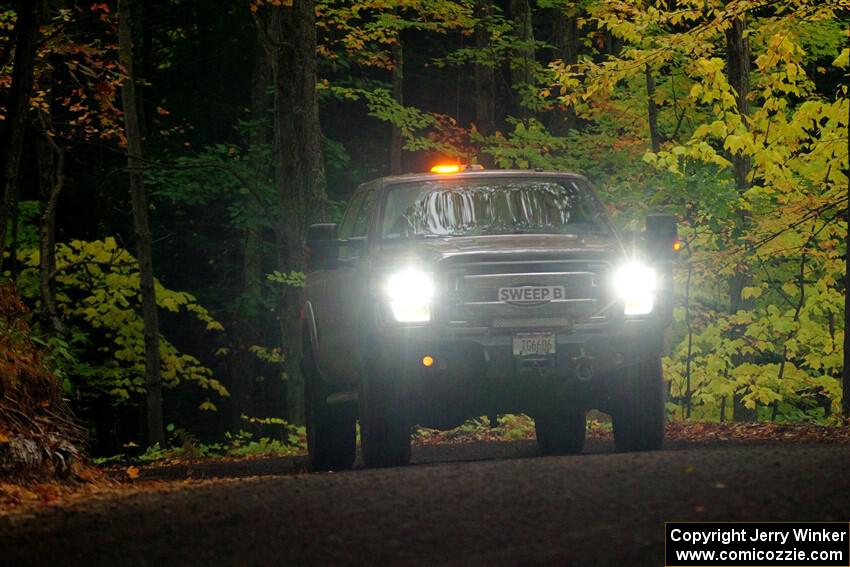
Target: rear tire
384, 427
561, 433
640, 413
331, 432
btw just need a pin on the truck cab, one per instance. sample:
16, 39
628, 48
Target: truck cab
455, 294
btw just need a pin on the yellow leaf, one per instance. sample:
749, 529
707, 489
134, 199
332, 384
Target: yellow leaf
132, 472
696, 90
734, 143
791, 70
751, 292
718, 128
842, 59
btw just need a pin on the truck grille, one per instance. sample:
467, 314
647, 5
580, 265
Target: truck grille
473, 294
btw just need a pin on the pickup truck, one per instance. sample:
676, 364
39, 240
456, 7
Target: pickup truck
446, 296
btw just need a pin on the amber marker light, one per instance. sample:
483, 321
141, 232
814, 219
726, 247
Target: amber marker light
427, 361
677, 245
447, 168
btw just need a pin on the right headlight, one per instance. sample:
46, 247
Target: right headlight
636, 284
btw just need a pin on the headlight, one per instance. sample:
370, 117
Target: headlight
410, 293
636, 284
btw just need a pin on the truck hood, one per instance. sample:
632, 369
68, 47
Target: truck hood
501, 247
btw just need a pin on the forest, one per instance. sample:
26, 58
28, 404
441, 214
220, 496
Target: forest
161, 162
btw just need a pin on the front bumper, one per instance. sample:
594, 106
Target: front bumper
475, 371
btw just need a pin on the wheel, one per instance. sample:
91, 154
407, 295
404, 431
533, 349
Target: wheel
331, 432
384, 427
639, 414
561, 432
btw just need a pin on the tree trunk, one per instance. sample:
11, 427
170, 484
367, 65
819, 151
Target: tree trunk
652, 111
156, 432
142, 57
51, 169
690, 330
845, 374
738, 74
290, 38
247, 333
309, 127
485, 77
271, 27
248, 319
15, 218
47, 242
311, 174
566, 41
522, 66
396, 142
30, 15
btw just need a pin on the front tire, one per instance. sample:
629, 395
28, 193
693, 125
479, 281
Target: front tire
331, 432
640, 413
562, 432
384, 427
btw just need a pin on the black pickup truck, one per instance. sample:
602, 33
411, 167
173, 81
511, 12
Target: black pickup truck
446, 296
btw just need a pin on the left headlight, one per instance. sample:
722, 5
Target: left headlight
636, 284
410, 293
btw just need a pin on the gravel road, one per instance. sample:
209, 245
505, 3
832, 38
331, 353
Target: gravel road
474, 504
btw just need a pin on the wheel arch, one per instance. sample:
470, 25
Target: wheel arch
310, 333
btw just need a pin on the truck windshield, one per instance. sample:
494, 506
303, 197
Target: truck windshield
488, 206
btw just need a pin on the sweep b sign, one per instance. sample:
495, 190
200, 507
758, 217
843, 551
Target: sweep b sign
757, 544
531, 294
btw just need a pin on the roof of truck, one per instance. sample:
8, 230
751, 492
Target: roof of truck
427, 176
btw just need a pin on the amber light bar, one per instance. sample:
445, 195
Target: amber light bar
447, 168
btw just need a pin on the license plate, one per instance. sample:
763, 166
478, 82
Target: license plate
526, 344
531, 294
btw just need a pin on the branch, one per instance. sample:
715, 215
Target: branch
86, 263
773, 283
679, 117
259, 198
269, 43
813, 213
199, 165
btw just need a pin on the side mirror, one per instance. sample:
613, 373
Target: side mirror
322, 243
662, 236
320, 232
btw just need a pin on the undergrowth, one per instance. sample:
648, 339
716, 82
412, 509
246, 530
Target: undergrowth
181, 445
38, 435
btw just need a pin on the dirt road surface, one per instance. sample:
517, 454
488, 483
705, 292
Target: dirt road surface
472, 504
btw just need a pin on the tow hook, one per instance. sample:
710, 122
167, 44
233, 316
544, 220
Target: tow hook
584, 366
